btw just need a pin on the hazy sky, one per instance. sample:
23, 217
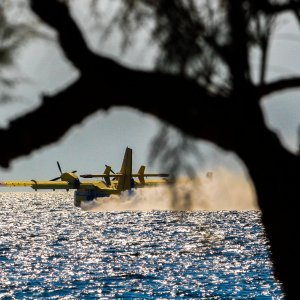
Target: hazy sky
103, 137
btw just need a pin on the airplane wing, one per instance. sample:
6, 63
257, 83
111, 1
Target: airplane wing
148, 183
53, 185
119, 175
59, 185
151, 175
100, 175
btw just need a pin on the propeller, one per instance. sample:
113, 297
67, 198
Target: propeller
110, 169
59, 167
56, 178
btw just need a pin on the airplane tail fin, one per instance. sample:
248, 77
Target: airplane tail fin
124, 181
107, 172
140, 174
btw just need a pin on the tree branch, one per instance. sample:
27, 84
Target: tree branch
46, 124
296, 10
269, 8
168, 97
105, 83
56, 14
279, 85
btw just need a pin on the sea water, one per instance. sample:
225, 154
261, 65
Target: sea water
51, 250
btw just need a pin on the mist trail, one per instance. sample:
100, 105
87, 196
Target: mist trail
224, 190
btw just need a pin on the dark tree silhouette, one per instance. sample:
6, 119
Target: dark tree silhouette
203, 85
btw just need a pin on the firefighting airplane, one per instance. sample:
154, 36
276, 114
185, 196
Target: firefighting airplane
90, 190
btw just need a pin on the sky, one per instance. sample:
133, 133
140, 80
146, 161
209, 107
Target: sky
102, 138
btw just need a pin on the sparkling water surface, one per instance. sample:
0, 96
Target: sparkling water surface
52, 250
